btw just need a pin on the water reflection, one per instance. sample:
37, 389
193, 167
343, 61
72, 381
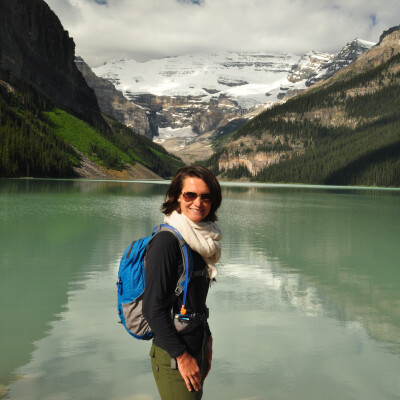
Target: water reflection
45, 186
339, 251
306, 304
52, 233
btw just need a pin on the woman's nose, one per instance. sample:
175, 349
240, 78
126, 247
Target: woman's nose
197, 201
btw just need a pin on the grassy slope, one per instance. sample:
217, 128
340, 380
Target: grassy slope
84, 138
114, 149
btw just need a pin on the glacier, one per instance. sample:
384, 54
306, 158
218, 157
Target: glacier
250, 78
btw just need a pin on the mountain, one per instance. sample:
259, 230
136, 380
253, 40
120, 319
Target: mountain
50, 122
191, 95
194, 95
35, 51
344, 130
315, 67
244, 77
248, 79
113, 102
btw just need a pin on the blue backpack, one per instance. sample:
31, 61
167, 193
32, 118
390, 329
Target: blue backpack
131, 282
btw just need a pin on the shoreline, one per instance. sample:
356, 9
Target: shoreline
237, 183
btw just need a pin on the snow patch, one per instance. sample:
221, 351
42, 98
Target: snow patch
246, 77
171, 133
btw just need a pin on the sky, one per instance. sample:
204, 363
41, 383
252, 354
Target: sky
146, 29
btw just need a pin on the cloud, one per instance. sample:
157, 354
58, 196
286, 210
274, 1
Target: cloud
143, 29
191, 2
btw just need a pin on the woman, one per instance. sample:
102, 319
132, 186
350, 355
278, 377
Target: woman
182, 360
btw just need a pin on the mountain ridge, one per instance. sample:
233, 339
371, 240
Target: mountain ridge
312, 138
50, 121
248, 78
188, 98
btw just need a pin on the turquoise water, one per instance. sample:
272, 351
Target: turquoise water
306, 304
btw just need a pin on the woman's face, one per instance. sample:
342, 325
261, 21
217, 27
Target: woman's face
197, 209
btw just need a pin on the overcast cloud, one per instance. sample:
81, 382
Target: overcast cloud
143, 29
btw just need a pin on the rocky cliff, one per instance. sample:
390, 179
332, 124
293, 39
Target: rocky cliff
113, 102
37, 52
388, 46
178, 112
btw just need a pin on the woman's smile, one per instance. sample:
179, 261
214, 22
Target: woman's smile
197, 209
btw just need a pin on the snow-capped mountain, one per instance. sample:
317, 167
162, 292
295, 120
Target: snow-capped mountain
248, 78
310, 65
342, 59
193, 94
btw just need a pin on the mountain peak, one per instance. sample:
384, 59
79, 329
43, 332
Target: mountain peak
387, 47
388, 32
314, 66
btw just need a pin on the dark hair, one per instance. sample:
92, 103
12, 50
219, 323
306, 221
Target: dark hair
175, 188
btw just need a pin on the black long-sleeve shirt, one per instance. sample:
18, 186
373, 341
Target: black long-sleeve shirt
164, 266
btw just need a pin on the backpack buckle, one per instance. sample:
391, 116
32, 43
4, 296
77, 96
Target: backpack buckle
119, 286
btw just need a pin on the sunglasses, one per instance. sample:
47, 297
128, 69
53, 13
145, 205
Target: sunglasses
192, 196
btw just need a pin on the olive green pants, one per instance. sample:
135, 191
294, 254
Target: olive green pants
170, 383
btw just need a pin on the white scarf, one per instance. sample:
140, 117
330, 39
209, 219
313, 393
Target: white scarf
202, 237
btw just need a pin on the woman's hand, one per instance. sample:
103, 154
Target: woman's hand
190, 371
210, 353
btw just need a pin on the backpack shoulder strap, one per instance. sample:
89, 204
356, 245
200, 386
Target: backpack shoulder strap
183, 281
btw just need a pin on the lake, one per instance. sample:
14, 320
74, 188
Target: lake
306, 304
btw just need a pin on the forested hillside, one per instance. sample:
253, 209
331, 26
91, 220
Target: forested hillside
50, 121
27, 146
345, 132
37, 139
